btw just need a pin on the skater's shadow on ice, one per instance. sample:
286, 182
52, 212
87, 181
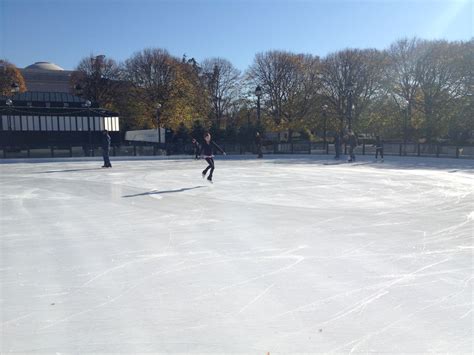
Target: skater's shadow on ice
154, 192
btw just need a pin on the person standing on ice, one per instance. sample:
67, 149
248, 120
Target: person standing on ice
196, 148
337, 145
207, 151
378, 147
258, 143
352, 140
106, 149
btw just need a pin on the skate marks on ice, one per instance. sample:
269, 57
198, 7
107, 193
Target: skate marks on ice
338, 263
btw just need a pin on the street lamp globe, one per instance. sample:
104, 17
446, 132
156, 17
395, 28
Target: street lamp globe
87, 103
258, 91
9, 102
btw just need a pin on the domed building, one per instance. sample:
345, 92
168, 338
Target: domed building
44, 66
47, 77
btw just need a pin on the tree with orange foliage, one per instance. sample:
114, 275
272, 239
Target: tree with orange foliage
10, 75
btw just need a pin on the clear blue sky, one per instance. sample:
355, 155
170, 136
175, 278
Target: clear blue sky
64, 31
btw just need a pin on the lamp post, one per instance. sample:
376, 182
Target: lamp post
14, 88
258, 93
9, 103
87, 105
405, 127
158, 118
325, 108
350, 91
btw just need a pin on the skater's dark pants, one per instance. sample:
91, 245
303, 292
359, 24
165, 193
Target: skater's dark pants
210, 161
105, 155
377, 151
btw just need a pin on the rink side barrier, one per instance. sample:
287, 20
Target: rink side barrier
310, 148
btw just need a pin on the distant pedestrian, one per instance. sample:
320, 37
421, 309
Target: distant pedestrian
207, 151
106, 149
258, 143
337, 145
352, 140
378, 148
196, 148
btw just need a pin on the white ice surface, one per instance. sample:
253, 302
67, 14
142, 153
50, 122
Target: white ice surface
280, 255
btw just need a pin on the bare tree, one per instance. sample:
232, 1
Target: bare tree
97, 76
153, 71
442, 75
351, 78
402, 79
222, 82
288, 85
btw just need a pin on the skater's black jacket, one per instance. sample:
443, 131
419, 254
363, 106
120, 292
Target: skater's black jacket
207, 149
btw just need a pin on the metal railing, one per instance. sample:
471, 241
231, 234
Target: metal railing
150, 149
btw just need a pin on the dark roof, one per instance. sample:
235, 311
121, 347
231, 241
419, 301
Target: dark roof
35, 96
44, 103
56, 111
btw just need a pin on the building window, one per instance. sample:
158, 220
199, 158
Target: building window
79, 123
85, 123
49, 123
16, 125
43, 123
61, 123
67, 123
73, 124
36, 123
30, 123
24, 123
55, 123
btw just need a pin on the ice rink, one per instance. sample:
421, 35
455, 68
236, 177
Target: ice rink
280, 255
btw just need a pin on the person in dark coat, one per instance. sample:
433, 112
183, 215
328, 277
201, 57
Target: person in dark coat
207, 151
352, 140
196, 148
258, 143
337, 145
378, 147
106, 148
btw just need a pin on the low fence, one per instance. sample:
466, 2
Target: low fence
150, 149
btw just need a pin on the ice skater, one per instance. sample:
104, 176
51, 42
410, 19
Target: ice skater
352, 140
258, 143
106, 149
207, 151
378, 148
196, 148
337, 145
